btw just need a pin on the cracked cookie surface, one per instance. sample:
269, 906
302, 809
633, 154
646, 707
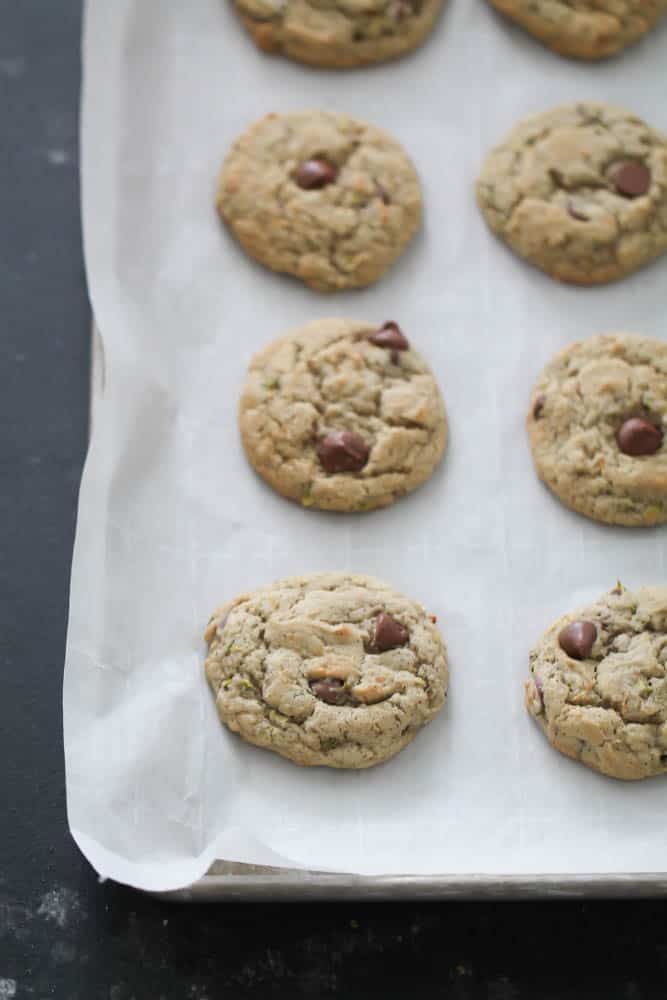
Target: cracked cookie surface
585, 29
328, 199
339, 34
579, 191
342, 415
596, 424
603, 698
327, 670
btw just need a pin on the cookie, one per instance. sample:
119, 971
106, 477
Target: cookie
321, 196
585, 29
580, 192
598, 684
327, 670
339, 34
597, 423
342, 415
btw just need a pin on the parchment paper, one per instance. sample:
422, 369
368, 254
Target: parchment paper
172, 521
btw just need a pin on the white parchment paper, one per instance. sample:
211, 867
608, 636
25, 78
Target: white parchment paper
172, 521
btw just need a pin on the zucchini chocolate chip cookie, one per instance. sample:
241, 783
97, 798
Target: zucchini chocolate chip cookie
580, 192
339, 34
597, 425
342, 415
598, 684
585, 29
321, 196
327, 670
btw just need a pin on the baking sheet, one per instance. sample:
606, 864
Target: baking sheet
172, 521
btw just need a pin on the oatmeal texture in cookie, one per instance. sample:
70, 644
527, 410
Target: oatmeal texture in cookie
580, 192
342, 415
585, 29
330, 669
598, 684
339, 34
321, 196
597, 423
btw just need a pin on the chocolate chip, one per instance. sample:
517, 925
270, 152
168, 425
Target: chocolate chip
390, 336
384, 195
343, 451
630, 178
538, 406
577, 639
329, 689
315, 174
557, 178
639, 437
388, 633
575, 209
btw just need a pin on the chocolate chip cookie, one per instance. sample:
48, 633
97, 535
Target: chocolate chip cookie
339, 33
580, 192
326, 198
342, 415
597, 424
327, 670
585, 29
598, 684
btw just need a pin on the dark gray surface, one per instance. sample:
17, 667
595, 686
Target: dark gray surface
62, 934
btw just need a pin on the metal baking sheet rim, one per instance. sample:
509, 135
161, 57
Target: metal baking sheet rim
228, 881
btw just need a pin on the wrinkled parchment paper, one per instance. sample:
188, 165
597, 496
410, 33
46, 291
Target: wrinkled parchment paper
172, 521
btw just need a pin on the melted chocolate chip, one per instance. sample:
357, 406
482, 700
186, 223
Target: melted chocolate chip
385, 197
577, 639
630, 178
315, 173
538, 406
389, 634
329, 689
342, 451
390, 336
639, 437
